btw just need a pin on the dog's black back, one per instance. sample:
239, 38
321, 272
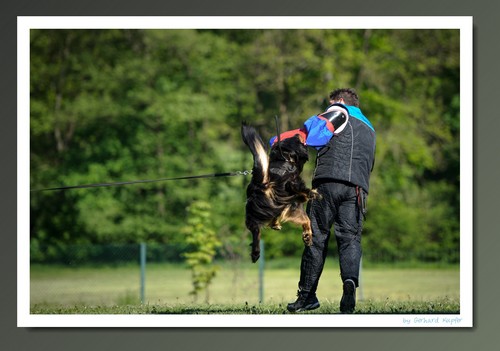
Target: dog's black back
276, 192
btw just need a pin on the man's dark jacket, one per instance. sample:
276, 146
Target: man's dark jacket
350, 155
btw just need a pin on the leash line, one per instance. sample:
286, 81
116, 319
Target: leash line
98, 185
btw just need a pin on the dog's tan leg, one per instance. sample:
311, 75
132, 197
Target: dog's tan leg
307, 232
300, 217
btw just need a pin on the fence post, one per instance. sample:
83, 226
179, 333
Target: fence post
143, 271
261, 272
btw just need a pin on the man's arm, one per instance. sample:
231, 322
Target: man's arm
319, 129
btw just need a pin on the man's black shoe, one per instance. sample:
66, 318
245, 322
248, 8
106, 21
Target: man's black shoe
303, 303
348, 301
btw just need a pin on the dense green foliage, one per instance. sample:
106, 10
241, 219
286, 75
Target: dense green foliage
118, 105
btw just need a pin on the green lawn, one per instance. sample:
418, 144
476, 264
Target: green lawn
236, 286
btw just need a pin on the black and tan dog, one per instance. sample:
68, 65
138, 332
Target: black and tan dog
276, 193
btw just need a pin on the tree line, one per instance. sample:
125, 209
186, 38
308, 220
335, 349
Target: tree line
119, 105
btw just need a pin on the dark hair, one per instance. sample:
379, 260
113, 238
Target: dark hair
348, 94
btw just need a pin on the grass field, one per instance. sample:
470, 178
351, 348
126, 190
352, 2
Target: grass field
116, 290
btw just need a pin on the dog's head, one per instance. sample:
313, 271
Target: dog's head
292, 149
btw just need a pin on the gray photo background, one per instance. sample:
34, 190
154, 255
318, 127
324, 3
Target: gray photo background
487, 169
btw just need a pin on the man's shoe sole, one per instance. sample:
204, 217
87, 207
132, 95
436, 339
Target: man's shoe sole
305, 308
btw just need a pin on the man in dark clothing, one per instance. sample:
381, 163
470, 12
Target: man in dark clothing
345, 140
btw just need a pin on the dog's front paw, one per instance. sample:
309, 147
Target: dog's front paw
307, 238
314, 195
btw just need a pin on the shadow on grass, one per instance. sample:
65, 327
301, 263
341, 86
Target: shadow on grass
219, 309
445, 306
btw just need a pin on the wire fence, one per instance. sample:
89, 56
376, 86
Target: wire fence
105, 254
116, 254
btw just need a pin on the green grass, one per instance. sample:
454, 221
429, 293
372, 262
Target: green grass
235, 290
442, 306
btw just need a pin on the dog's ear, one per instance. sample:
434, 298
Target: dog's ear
301, 138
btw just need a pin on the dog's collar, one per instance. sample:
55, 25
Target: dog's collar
278, 171
285, 168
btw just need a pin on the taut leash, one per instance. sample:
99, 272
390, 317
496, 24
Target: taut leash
99, 185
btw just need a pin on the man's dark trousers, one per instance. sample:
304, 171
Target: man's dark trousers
338, 208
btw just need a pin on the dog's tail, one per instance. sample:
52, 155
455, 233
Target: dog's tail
260, 158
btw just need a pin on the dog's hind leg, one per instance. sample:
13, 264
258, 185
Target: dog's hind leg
255, 230
307, 232
300, 217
